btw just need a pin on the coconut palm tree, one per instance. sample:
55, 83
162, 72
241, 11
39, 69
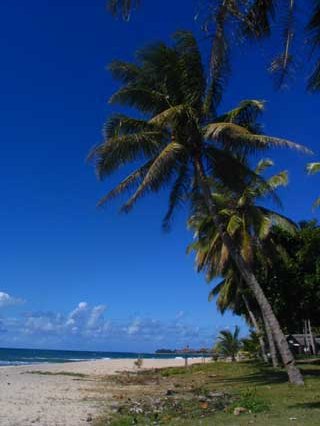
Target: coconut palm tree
231, 295
178, 140
229, 344
247, 221
313, 168
250, 225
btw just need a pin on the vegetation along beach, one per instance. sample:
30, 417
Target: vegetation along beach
205, 172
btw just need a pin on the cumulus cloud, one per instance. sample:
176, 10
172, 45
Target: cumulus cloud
88, 325
7, 300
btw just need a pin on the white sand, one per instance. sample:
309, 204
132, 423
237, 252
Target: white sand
60, 400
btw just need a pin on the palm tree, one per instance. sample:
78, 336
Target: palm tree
178, 140
313, 168
229, 343
232, 296
247, 221
250, 225
254, 20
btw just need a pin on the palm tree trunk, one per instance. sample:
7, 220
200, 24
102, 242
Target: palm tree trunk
257, 328
313, 345
246, 273
272, 346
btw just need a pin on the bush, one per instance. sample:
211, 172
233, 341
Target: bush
251, 401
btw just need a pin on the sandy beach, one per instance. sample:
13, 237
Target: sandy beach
66, 394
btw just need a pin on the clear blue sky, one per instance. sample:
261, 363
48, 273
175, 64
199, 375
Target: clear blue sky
136, 287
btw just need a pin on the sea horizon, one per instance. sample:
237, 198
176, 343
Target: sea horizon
29, 356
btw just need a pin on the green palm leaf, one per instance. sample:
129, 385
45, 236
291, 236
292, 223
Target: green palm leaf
158, 173
313, 168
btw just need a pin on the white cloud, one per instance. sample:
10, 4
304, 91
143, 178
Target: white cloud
78, 315
96, 319
134, 327
88, 325
7, 300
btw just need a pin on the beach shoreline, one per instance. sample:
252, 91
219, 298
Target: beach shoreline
63, 394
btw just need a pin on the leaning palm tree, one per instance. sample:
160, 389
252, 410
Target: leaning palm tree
313, 168
229, 344
178, 140
250, 226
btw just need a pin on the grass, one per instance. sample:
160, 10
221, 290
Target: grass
263, 391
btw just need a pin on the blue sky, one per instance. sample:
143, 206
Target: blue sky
78, 277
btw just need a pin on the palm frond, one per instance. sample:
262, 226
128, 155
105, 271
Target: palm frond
145, 99
234, 224
232, 136
122, 7
280, 220
178, 195
169, 115
258, 19
118, 151
120, 124
313, 28
133, 180
220, 61
216, 290
313, 168
263, 164
283, 64
126, 72
160, 171
192, 77
245, 114
314, 79
280, 179
316, 203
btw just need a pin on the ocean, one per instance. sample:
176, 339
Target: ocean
11, 356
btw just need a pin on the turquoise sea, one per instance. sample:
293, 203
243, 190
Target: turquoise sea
11, 356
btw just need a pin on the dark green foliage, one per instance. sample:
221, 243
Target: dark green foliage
249, 224
228, 343
251, 345
251, 401
167, 86
293, 284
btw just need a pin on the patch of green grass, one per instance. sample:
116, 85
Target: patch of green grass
262, 390
251, 401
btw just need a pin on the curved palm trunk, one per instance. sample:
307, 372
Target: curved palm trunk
272, 346
257, 328
246, 273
